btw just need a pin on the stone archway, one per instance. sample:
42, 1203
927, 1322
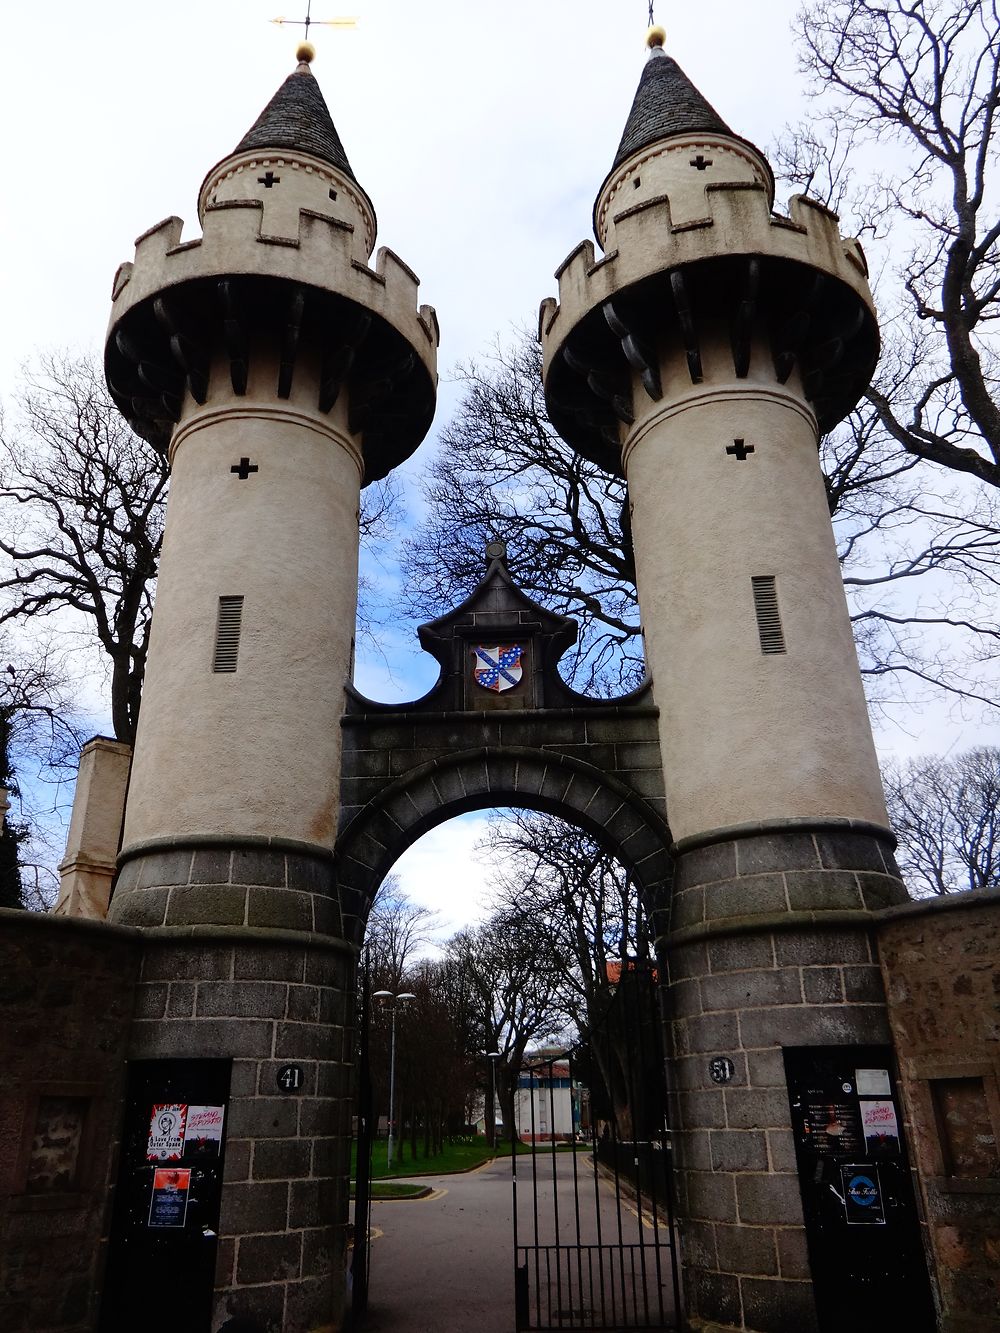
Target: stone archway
537, 745
433, 791
540, 745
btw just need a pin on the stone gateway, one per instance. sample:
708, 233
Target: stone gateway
819, 1111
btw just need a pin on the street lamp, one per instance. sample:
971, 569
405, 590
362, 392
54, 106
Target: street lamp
396, 999
493, 1057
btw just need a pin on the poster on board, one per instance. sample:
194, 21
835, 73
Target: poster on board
203, 1132
881, 1129
166, 1133
872, 1082
168, 1206
862, 1196
832, 1127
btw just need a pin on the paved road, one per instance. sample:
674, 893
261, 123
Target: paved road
445, 1264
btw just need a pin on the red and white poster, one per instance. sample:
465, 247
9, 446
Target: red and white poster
203, 1134
881, 1129
166, 1133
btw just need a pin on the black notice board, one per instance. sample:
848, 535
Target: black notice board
164, 1233
865, 1252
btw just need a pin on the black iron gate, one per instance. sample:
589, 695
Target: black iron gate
594, 1239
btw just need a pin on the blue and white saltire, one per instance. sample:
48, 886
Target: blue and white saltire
498, 668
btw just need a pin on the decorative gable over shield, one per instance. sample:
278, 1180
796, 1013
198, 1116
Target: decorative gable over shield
498, 650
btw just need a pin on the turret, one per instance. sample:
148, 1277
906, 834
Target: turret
701, 356
281, 372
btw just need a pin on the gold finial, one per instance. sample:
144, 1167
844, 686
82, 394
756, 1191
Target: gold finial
306, 53
656, 37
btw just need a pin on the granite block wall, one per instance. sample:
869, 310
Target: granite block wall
771, 944
244, 959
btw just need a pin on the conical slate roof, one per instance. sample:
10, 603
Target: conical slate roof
666, 103
297, 117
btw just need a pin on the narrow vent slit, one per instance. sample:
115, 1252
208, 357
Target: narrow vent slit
765, 605
227, 633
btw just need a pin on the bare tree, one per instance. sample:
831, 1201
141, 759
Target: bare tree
436, 1066
39, 745
946, 813
397, 930
923, 78
509, 973
82, 501
502, 472
557, 879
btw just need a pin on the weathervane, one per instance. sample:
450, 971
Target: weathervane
652, 19
309, 21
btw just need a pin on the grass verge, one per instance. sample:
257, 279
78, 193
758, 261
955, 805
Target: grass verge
461, 1155
394, 1189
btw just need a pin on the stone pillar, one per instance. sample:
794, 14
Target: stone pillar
701, 356
280, 372
266, 998
771, 944
95, 829
774, 799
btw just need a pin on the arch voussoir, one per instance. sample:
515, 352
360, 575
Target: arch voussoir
439, 788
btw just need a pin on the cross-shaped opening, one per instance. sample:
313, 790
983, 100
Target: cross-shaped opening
268, 179
243, 468
701, 162
739, 450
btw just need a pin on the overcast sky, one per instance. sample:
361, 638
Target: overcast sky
480, 132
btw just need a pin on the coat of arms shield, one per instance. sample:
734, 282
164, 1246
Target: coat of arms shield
497, 668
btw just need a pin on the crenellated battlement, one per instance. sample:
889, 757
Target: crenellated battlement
234, 242
738, 221
789, 288
239, 291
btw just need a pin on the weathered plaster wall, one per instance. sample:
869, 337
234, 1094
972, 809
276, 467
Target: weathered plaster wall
745, 735
940, 963
66, 992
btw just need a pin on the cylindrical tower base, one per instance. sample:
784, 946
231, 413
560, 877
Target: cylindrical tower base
266, 993
771, 950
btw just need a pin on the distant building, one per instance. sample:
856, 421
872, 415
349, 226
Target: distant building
550, 1104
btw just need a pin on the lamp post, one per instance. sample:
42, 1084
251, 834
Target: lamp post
396, 1000
493, 1057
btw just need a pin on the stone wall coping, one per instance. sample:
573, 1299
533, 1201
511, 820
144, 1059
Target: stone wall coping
801, 824
255, 935
106, 743
15, 916
766, 922
967, 900
192, 841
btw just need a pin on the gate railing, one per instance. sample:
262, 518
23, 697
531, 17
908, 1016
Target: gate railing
593, 1202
